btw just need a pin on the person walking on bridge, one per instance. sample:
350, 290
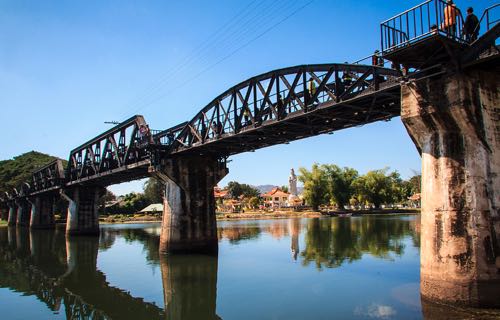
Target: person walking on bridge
471, 26
312, 91
451, 12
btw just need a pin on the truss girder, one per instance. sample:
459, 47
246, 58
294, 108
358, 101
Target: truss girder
273, 97
124, 145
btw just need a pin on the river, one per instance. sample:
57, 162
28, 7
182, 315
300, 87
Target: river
317, 268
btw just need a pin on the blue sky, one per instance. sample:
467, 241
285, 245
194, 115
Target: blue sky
68, 66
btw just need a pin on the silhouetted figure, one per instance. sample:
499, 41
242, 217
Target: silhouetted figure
471, 26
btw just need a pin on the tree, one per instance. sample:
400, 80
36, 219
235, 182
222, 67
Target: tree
14, 172
315, 186
284, 188
254, 202
415, 183
377, 187
237, 189
153, 190
133, 202
340, 183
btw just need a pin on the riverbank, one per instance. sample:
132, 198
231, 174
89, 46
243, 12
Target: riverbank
258, 215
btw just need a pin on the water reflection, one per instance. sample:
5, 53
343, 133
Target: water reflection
62, 272
332, 242
190, 286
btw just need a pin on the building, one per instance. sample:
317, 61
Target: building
153, 208
276, 198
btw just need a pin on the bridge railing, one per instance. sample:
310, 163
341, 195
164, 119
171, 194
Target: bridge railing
422, 21
489, 18
167, 137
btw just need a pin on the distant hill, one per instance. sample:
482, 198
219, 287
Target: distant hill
265, 188
15, 171
268, 187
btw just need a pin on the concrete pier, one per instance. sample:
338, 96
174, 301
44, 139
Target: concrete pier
188, 223
42, 212
82, 216
23, 213
453, 121
12, 217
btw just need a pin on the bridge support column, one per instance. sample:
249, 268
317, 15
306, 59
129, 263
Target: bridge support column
42, 212
23, 213
188, 223
453, 120
12, 218
82, 216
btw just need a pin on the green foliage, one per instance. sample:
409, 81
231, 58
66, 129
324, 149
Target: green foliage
340, 183
377, 187
18, 170
315, 186
330, 184
153, 190
237, 189
133, 202
254, 202
284, 188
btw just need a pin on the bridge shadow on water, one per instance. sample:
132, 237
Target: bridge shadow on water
62, 271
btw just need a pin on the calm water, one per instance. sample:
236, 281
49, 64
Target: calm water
329, 268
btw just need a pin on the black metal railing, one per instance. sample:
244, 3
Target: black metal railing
424, 20
489, 18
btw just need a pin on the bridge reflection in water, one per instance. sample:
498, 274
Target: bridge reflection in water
62, 271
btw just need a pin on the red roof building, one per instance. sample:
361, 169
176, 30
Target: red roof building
275, 198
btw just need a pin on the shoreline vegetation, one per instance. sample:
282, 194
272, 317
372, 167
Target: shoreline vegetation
260, 215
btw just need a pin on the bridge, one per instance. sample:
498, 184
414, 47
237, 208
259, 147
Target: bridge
444, 88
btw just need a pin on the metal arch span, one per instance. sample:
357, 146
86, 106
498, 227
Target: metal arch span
290, 104
117, 155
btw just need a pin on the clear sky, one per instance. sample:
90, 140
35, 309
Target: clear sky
68, 66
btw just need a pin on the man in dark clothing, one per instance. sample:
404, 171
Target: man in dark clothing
471, 26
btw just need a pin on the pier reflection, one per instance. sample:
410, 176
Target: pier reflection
190, 286
62, 273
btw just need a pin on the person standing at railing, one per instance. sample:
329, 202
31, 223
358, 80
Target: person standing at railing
377, 60
451, 12
471, 26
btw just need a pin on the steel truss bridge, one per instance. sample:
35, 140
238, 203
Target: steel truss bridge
276, 107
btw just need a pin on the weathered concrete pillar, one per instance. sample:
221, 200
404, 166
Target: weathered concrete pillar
189, 286
453, 120
12, 218
23, 213
4, 212
82, 216
188, 223
42, 212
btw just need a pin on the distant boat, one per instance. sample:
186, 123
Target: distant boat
345, 214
